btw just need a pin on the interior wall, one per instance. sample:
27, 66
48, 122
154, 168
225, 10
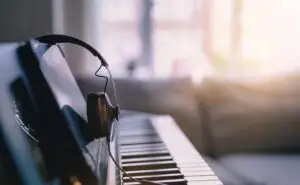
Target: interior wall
79, 19
20, 20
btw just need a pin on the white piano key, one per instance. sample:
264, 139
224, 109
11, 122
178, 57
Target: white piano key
199, 173
154, 171
191, 165
145, 154
205, 183
201, 178
184, 153
156, 177
143, 149
201, 168
173, 182
162, 158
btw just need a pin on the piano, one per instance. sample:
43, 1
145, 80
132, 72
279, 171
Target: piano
154, 148
147, 147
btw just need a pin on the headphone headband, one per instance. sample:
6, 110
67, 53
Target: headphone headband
53, 39
57, 38
101, 113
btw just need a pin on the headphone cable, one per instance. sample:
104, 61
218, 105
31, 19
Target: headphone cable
90, 155
117, 165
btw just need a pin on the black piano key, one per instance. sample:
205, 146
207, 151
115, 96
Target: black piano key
144, 154
147, 145
140, 137
136, 128
195, 169
202, 178
155, 177
147, 159
199, 173
145, 182
149, 165
173, 182
148, 134
154, 172
167, 182
216, 182
137, 132
140, 141
140, 147
143, 149
144, 136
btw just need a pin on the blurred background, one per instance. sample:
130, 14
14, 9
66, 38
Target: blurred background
159, 39
167, 38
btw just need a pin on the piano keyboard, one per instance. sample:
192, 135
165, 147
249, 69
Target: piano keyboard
155, 149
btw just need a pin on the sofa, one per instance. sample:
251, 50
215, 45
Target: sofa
247, 131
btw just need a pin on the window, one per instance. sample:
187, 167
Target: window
119, 34
255, 36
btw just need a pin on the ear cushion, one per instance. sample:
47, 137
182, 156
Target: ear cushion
94, 117
100, 114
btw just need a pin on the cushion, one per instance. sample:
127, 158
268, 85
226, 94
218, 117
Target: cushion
252, 117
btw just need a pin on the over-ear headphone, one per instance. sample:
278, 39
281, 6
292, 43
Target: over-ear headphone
100, 111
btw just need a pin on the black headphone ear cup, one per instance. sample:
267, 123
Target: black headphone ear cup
100, 114
94, 116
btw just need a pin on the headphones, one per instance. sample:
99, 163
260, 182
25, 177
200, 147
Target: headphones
100, 111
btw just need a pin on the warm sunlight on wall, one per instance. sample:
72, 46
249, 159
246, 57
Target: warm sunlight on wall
268, 42
221, 22
269, 34
177, 40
